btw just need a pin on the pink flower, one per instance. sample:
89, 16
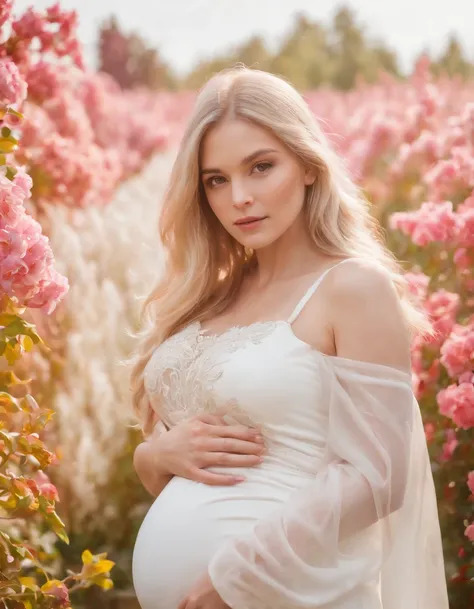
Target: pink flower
457, 353
457, 403
430, 431
13, 89
463, 259
469, 532
432, 222
26, 260
465, 213
46, 487
30, 25
51, 32
5, 11
449, 446
443, 174
44, 80
442, 307
59, 591
418, 284
76, 176
470, 482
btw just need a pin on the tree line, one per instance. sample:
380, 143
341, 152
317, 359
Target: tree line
311, 55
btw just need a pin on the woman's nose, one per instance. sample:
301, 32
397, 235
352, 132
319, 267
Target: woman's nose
240, 197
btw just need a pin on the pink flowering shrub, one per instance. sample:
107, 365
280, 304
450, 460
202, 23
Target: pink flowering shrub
27, 273
28, 279
13, 88
80, 137
411, 147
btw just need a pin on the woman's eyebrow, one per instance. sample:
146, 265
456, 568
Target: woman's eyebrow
245, 161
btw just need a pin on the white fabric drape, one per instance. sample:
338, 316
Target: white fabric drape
368, 518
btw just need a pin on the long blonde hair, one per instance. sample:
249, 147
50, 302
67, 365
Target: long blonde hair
204, 264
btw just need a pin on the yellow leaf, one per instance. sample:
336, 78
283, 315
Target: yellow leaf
28, 343
95, 569
11, 353
106, 584
8, 144
28, 582
49, 585
104, 566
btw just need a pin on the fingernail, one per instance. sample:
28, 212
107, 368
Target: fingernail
259, 438
239, 479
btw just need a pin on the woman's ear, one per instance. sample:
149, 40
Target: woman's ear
309, 177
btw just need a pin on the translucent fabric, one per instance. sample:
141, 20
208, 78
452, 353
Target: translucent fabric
364, 533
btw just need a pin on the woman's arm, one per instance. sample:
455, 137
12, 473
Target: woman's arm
336, 533
148, 464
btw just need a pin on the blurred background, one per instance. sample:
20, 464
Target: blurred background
179, 45
110, 86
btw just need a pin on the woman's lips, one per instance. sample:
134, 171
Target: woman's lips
250, 222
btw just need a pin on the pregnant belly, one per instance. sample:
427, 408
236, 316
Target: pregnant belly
185, 526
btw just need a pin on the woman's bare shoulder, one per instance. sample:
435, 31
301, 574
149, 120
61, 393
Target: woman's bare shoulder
360, 279
367, 316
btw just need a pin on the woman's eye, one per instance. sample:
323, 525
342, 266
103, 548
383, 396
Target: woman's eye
262, 167
214, 181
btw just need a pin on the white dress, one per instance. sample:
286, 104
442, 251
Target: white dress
342, 512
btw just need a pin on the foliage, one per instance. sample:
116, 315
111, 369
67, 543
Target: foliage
130, 61
28, 279
312, 54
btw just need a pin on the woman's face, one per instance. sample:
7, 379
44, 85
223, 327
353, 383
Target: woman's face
254, 185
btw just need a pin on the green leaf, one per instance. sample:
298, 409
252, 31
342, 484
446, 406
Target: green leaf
11, 173
8, 318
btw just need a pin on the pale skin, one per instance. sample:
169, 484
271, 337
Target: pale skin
356, 313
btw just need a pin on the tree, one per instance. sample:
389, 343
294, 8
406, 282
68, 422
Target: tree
253, 53
453, 61
304, 56
130, 61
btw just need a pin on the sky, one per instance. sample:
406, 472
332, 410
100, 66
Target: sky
186, 31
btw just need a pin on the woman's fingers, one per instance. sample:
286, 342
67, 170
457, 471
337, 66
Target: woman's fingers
210, 419
231, 459
228, 430
206, 477
239, 432
231, 445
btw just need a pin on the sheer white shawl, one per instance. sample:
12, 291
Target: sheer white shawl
370, 514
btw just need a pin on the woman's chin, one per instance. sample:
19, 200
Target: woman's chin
255, 242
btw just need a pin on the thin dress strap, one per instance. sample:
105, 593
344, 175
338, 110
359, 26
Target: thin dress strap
312, 289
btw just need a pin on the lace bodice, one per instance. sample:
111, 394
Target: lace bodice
182, 375
258, 375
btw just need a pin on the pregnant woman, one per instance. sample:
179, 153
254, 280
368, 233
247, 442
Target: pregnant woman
283, 440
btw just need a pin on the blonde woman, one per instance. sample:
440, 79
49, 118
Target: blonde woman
284, 443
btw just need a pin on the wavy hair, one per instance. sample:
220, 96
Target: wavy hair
204, 265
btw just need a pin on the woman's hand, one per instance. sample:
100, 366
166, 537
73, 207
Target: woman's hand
203, 595
190, 447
